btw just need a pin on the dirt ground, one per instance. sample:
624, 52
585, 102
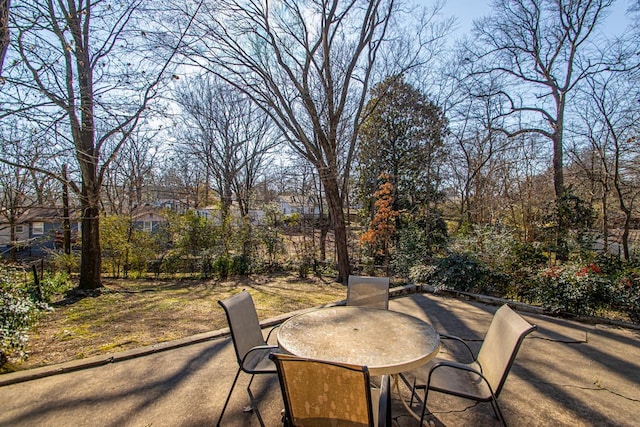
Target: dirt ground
129, 313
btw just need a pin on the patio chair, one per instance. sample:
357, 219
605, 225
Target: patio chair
318, 394
252, 351
483, 378
368, 291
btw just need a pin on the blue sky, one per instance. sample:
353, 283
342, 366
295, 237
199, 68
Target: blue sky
467, 10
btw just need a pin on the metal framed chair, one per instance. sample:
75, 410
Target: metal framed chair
252, 351
483, 378
318, 393
368, 291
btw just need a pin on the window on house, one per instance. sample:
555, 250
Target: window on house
37, 228
147, 226
18, 229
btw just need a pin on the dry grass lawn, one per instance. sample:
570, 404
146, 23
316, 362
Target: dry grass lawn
131, 314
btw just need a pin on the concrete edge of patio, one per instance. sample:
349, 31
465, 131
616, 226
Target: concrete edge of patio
75, 365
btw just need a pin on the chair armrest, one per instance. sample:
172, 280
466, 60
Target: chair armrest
257, 348
461, 366
273, 328
460, 340
383, 403
455, 365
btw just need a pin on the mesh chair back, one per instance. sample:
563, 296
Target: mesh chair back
243, 323
318, 393
368, 291
501, 345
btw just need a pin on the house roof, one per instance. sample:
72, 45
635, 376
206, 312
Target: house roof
43, 214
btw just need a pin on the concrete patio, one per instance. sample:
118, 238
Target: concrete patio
567, 373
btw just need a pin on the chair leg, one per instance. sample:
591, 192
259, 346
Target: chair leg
497, 411
411, 386
424, 406
226, 402
254, 404
385, 389
413, 392
494, 405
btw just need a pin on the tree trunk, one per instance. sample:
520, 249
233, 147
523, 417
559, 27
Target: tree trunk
88, 156
4, 31
558, 176
336, 209
324, 229
605, 222
558, 151
66, 220
91, 261
12, 239
226, 199
625, 234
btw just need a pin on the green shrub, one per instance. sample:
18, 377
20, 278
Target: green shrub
192, 234
292, 219
628, 300
143, 252
206, 266
54, 284
576, 289
326, 268
241, 265
222, 266
273, 243
463, 272
66, 262
421, 273
500, 248
171, 263
632, 302
523, 254
412, 249
303, 260
610, 265
303, 270
263, 266
18, 312
492, 245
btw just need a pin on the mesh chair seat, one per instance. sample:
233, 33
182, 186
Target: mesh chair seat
368, 291
459, 379
318, 393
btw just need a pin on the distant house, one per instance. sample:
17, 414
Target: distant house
148, 218
256, 216
301, 205
35, 231
213, 213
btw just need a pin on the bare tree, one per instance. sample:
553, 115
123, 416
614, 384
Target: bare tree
253, 156
226, 131
525, 188
16, 196
184, 179
308, 64
77, 70
540, 49
475, 147
128, 179
611, 123
21, 188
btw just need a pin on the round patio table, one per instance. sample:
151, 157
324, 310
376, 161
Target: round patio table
385, 341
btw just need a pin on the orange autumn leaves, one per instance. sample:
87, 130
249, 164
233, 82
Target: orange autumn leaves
379, 236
